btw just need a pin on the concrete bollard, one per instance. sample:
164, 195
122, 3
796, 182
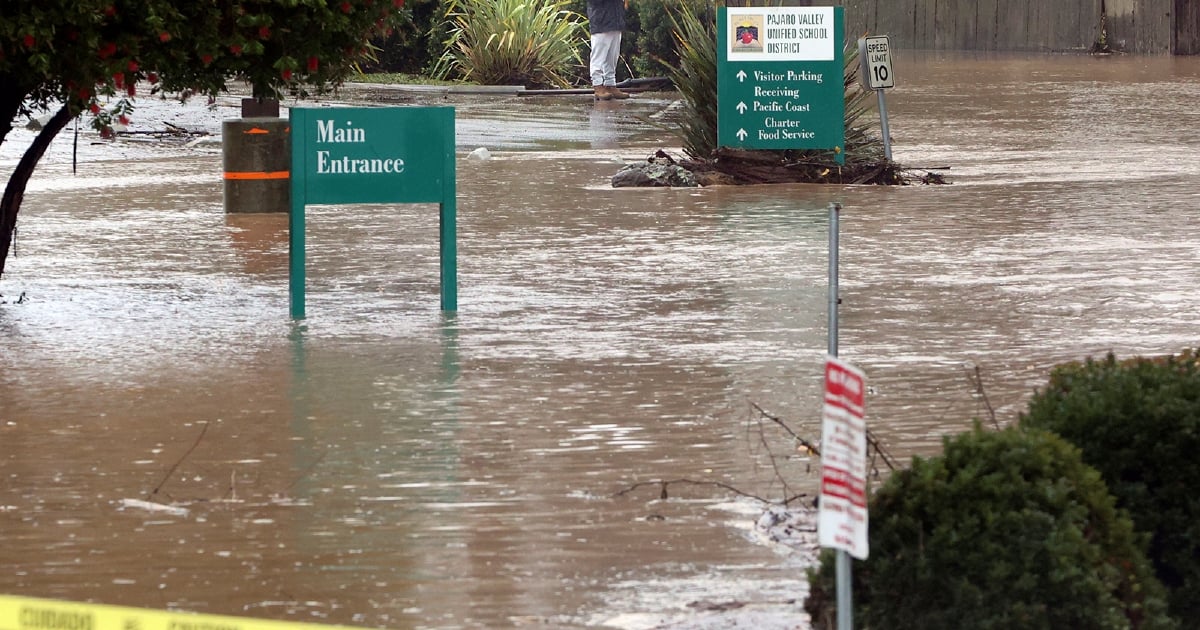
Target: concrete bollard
256, 153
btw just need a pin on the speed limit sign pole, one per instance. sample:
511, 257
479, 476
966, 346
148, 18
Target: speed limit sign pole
875, 71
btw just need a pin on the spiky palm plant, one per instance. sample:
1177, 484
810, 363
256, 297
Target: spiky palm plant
534, 43
696, 79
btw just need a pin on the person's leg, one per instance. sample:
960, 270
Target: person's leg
602, 50
612, 53
610, 67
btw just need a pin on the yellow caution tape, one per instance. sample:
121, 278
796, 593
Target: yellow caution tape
28, 613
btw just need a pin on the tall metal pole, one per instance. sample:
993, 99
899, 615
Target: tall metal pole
834, 209
845, 612
296, 253
883, 126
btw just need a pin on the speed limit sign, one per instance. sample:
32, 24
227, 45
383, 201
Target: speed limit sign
876, 62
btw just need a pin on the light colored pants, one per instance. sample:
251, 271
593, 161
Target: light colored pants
606, 48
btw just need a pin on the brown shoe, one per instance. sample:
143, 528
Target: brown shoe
602, 92
615, 92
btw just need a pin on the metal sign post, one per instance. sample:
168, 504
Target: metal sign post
875, 70
834, 212
842, 516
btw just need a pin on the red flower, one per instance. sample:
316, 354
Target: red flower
206, 59
119, 79
235, 49
346, 8
133, 66
164, 36
28, 41
152, 77
264, 32
131, 89
107, 50
398, 3
286, 74
110, 10
85, 93
94, 108
123, 119
313, 64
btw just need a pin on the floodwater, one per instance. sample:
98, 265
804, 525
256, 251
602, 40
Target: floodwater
385, 464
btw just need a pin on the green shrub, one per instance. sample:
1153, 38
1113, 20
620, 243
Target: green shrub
534, 43
648, 44
411, 47
655, 50
1138, 423
1004, 530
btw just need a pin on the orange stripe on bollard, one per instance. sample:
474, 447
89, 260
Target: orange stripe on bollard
255, 131
259, 175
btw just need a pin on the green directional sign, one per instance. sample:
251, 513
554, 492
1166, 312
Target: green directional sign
779, 78
346, 155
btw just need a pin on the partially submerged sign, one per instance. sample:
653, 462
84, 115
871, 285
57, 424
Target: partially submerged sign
346, 155
842, 516
875, 62
779, 78
875, 73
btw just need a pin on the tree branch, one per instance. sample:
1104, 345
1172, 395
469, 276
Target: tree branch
663, 494
178, 462
976, 379
812, 448
14, 192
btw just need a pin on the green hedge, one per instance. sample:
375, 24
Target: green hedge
1004, 530
648, 47
1138, 423
411, 49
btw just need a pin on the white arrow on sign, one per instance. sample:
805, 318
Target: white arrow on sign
741, 134
741, 75
741, 107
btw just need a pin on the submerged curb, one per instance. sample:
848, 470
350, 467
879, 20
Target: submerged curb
512, 90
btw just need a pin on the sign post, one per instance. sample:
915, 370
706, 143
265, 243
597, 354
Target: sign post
842, 513
780, 79
350, 155
875, 71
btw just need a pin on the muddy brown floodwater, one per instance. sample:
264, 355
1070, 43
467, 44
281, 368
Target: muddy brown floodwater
386, 465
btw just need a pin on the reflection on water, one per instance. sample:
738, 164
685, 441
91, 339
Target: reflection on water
384, 464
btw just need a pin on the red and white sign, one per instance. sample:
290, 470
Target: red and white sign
842, 517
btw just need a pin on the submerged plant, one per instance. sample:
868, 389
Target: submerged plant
533, 43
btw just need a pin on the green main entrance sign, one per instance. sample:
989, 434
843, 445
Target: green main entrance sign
779, 78
373, 155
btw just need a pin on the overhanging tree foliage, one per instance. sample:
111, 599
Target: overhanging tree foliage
63, 55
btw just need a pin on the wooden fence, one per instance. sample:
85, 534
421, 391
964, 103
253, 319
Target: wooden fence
1134, 26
